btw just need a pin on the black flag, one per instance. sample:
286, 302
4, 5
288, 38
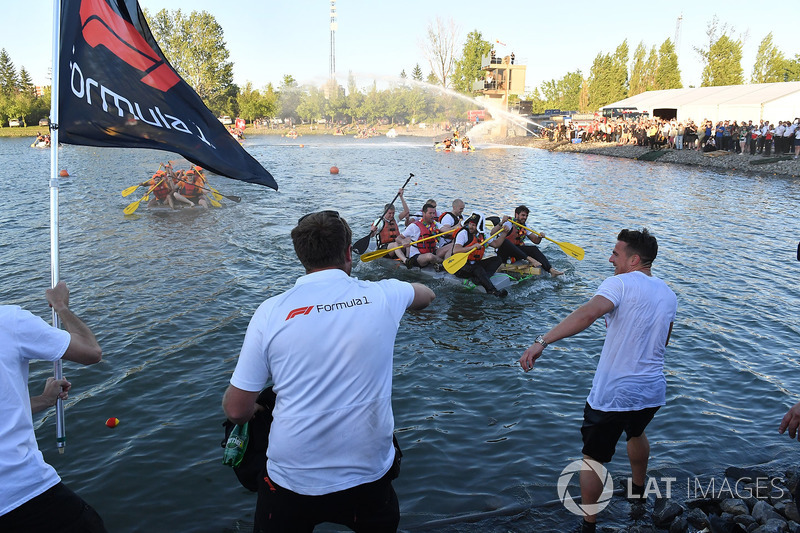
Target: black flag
117, 89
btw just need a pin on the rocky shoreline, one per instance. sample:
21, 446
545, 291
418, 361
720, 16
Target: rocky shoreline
745, 500
726, 162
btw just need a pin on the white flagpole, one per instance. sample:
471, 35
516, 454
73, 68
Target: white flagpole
61, 431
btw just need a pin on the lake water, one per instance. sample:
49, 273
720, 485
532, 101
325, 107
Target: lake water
169, 296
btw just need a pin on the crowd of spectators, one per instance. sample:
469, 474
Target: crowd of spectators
763, 138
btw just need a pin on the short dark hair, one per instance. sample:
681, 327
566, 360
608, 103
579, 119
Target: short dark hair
321, 240
641, 243
522, 209
428, 206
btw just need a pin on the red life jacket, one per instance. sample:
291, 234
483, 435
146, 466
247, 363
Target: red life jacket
516, 236
389, 232
161, 190
429, 246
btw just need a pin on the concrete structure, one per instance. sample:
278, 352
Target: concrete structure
760, 101
503, 77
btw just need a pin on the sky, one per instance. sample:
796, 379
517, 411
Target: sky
377, 40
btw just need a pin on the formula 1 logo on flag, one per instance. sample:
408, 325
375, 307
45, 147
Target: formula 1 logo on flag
117, 89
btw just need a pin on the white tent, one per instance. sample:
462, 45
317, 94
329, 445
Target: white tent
760, 101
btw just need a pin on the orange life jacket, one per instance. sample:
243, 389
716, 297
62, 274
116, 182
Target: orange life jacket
190, 190
162, 189
428, 246
516, 236
477, 254
449, 237
388, 233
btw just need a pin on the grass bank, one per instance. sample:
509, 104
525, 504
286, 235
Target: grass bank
30, 131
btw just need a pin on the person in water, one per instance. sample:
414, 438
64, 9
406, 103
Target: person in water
629, 385
331, 456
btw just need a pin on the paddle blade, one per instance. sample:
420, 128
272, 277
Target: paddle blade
571, 250
371, 256
361, 245
129, 190
454, 263
217, 196
232, 198
214, 202
133, 206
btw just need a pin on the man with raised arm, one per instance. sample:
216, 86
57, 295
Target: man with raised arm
327, 346
629, 385
32, 497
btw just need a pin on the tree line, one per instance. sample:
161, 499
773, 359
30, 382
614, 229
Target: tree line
195, 46
610, 79
18, 98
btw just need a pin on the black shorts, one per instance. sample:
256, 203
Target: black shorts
412, 261
56, 509
371, 507
601, 430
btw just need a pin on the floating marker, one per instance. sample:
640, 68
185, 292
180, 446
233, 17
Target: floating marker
112, 422
334, 170
64, 173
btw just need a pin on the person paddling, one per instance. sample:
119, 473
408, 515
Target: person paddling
385, 229
477, 269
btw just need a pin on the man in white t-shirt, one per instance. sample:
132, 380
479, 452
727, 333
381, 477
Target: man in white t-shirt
32, 497
327, 346
449, 220
629, 385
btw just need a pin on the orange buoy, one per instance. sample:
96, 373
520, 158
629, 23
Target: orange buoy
63, 173
112, 422
334, 170
302, 145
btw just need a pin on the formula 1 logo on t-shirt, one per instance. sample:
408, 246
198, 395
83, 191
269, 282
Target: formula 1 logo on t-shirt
326, 308
299, 311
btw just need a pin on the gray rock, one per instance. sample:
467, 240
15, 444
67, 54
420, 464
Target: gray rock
747, 521
773, 526
790, 511
794, 527
698, 519
734, 506
665, 511
679, 525
763, 512
792, 477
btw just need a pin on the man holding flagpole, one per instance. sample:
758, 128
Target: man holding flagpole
32, 497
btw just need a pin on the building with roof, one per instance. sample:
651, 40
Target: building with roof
758, 101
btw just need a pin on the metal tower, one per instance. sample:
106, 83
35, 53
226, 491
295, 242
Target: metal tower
334, 26
677, 42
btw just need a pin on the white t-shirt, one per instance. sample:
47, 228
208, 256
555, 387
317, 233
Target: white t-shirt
414, 232
447, 220
327, 345
630, 373
23, 472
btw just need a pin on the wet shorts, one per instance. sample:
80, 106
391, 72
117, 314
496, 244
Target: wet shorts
412, 261
601, 430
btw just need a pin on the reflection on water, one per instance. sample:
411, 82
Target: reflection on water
170, 295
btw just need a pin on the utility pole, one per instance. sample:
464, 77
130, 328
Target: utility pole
334, 26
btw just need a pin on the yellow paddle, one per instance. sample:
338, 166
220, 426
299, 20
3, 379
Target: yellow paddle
568, 248
454, 263
211, 199
369, 256
133, 206
129, 190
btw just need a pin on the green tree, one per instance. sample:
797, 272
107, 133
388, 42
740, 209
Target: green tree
722, 57
9, 82
638, 82
650, 69
770, 65
289, 98
432, 79
668, 76
26, 83
354, 99
416, 74
195, 47
608, 78
403, 74
468, 67
793, 69
312, 105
